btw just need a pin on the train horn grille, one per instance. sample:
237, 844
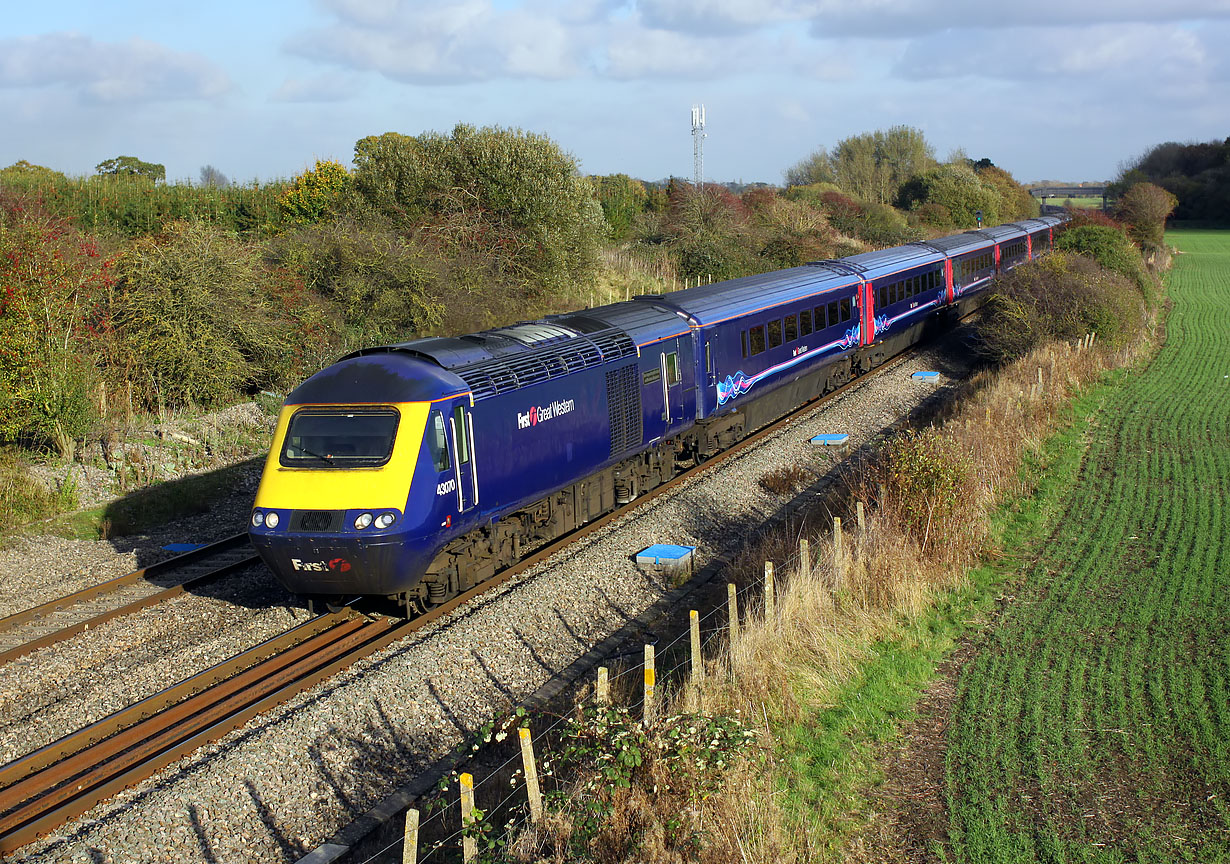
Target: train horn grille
317, 520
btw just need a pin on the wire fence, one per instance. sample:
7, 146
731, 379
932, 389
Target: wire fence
712, 629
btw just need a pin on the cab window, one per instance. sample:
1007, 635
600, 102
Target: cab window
339, 438
437, 441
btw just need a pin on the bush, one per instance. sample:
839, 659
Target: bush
513, 196
191, 323
1145, 209
53, 284
1111, 248
958, 188
928, 487
380, 281
316, 193
1059, 298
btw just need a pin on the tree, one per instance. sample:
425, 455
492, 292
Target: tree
513, 195
1197, 174
1144, 208
871, 167
816, 168
316, 192
211, 176
132, 166
622, 199
958, 188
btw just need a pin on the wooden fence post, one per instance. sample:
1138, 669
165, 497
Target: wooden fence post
469, 844
804, 558
732, 612
769, 600
860, 518
698, 666
604, 686
531, 775
410, 845
839, 569
650, 680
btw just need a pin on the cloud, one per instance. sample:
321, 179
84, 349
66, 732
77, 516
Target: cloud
1140, 56
134, 71
909, 18
722, 16
448, 42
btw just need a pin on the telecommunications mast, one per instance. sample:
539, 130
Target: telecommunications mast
698, 146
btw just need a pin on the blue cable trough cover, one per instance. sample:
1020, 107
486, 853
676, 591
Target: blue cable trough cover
182, 547
831, 439
927, 375
668, 559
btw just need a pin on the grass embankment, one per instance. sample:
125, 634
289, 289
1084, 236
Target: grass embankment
835, 671
1094, 725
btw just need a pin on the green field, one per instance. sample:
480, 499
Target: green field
1094, 723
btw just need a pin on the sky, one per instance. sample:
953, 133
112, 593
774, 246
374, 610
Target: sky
1048, 89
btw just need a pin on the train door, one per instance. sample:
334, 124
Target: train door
867, 323
461, 440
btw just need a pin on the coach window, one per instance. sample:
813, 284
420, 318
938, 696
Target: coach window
845, 309
437, 443
775, 333
833, 319
743, 343
792, 328
805, 322
756, 339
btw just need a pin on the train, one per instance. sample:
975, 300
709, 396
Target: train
415, 471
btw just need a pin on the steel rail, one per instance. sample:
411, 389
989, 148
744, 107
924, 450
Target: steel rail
195, 558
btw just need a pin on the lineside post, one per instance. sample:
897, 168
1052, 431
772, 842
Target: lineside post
804, 558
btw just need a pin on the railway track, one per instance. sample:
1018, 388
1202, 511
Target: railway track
53, 785
65, 617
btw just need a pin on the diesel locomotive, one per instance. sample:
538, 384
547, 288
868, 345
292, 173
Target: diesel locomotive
415, 471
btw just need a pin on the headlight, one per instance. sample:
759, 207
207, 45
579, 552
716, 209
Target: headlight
258, 518
271, 520
384, 520
363, 520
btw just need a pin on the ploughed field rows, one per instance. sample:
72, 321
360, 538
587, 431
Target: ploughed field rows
1094, 725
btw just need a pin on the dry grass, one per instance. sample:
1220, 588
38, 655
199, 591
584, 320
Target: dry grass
927, 499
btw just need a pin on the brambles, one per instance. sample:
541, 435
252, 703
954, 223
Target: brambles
1059, 298
786, 480
190, 324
